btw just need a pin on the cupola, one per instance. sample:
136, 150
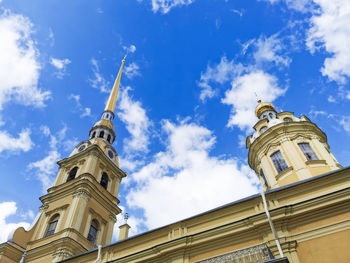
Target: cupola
285, 149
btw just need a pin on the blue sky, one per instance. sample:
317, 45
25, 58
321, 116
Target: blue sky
187, 98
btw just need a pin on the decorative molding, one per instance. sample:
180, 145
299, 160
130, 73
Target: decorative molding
44, 207
49, 213
82, 193
113, 218
98, 216
61, 254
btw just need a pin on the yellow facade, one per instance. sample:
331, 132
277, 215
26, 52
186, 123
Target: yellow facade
307, 192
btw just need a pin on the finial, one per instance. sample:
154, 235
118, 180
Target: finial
126, 217
256, 95
124, 57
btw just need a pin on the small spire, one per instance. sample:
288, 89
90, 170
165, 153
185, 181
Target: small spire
112, 100
258, 100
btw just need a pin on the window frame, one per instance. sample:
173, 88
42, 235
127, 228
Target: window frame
70, 175
309, 153
279, 161
93, 231
51, 228
104, 179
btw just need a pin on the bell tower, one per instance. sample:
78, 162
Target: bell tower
285, 149
79, 211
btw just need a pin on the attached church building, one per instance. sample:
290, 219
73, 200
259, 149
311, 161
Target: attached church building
305, 218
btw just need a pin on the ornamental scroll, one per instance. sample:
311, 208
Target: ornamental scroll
256, 254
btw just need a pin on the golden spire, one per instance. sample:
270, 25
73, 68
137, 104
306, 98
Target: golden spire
112, 100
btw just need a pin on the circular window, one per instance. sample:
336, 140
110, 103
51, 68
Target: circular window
82, 148
110, 154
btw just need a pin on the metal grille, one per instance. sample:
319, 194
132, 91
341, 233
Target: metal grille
256, 254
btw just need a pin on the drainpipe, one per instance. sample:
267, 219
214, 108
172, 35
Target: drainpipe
262, 192
98, 254
23, 257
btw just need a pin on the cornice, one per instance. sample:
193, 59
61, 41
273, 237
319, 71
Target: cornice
82, 193
89, 184
93, 149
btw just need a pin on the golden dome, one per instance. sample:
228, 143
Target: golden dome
263, 106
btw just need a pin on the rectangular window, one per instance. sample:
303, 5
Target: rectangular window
279, 161
307, 151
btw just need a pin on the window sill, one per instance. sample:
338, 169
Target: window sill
316, 162
284, 172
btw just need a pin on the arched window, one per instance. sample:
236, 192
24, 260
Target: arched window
287, 119
52, 225
72, 174
109, 138
279, 162
93, 135
107, 116
92, 236
102, 133
104, 180
271, 115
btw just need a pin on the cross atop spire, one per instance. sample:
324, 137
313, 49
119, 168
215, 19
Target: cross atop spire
112, 100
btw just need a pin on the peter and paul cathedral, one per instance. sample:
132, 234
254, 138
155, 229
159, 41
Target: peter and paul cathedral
301, 216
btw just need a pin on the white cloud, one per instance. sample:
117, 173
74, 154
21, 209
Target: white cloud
28, 215
60, 65
330, 30
45, 169
6, 229
98, 82
69, 144
132, 221
84, 111
132, 70
220, 73
298, 5
345, 123
19, 65
164, 6
45, 130
246, 83
11, 144
269, 49
130, 49
238, 12
242, 97
331, 99
137, 123
187, 178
